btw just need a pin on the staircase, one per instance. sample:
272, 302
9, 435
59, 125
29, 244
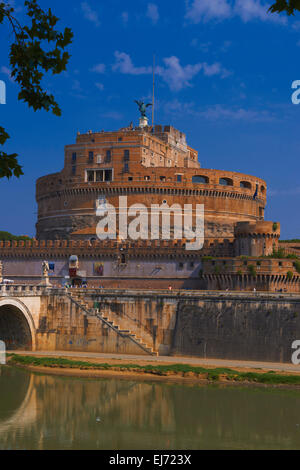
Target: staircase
130, 335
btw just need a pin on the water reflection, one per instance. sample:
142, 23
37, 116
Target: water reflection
49, 412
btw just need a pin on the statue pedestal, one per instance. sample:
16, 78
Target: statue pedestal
143, 121
45, 282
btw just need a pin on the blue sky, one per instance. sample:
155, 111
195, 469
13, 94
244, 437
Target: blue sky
224, 75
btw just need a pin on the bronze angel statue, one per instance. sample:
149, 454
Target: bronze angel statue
142, 107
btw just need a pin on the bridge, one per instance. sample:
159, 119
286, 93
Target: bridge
225, 325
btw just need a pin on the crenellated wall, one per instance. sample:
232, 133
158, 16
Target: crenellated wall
251, 273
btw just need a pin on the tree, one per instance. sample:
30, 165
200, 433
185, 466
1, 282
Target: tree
9, 236
37, 48
289, 6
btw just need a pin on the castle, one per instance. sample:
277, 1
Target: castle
150, 166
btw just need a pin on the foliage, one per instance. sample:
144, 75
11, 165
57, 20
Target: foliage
297, 266
252, 270
38, 48
8, 236
290, 275
288, 6
275, 227
294, 240
279, 254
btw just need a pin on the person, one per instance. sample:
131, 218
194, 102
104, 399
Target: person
170, 288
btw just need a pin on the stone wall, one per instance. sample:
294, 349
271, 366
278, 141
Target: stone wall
226, 326
238, 326
257, 329
65, 327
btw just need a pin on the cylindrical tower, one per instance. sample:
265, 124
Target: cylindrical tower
256, 239
148, 166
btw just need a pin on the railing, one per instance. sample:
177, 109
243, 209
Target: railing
33, 290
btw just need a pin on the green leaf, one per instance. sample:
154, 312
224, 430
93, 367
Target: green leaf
30, 60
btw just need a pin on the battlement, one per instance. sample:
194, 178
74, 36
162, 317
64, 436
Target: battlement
258, 228
250, 265
112, 248
251, 273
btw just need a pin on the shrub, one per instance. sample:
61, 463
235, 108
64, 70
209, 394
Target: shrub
297, 266
4, 236
275, 227
252, 270
217, 269
290, 275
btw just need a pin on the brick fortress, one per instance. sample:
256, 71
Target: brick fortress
149, 166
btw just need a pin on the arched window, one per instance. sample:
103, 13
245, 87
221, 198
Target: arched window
245, 184
263, 189
225, 182
200, 179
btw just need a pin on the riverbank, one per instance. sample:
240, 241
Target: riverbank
146, 371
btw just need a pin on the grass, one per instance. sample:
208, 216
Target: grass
212, 375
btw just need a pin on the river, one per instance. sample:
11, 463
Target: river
53, 412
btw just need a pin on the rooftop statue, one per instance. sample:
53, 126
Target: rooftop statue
142, 107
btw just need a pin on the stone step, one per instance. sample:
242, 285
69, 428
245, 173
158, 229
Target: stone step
129, 334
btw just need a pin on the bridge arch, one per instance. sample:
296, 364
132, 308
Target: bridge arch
17, 327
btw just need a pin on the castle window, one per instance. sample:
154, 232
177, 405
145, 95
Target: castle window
225, 182
263, 189
108, 156
162, 178
126, 155
120, 139
126, 168
180, 266
91, 157
74, 157
108, 174
200, 179
245, 185
74, 170
99, 159
90, 176
99, 176
179, 178
147, 178
130, 178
